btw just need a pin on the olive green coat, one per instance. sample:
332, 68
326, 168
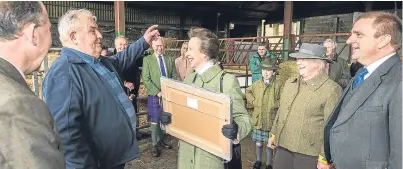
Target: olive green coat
304, 108
151, 73
191, 157
340, 72
265, 103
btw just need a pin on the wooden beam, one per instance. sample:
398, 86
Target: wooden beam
119, 7
288, 7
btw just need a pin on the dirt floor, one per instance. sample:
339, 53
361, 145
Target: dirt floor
168, 158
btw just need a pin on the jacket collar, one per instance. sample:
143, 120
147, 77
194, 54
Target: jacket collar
75, 56
210, 73
314, 83
9, 70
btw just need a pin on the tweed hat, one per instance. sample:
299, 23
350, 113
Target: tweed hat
269, 64
311, 51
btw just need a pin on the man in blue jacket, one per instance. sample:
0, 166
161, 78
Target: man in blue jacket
85, 95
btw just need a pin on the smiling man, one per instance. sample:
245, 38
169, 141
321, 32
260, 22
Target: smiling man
84, 92
365, 129
306, 102
155, 66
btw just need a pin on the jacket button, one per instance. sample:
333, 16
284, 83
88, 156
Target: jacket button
191, 161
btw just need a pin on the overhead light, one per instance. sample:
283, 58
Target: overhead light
231, 26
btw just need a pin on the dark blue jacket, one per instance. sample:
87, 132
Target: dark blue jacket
95, 131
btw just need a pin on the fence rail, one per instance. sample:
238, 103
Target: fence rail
238, 50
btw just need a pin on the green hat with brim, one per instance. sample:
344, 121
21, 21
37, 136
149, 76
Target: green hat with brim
269, 64
311, 51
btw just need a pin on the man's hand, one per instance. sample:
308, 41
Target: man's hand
230, 131
166, 118
323, 166
159, 94
129, 85
151, 33
271, 143
131, 97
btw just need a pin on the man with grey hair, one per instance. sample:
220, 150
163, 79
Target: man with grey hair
132, 77
155, 66
338, 69
120, 43
27, 135
85, 95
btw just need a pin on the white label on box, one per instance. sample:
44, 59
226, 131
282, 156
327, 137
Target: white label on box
192, 103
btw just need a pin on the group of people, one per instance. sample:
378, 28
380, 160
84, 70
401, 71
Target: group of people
87, 119
306, 117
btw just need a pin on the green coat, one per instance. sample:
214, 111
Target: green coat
265, 103
151, 73
254, 61
191, 157
304, 108
340, 72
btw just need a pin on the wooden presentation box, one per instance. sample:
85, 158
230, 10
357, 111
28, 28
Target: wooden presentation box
198, 116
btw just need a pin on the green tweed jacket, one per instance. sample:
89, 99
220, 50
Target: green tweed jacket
265, 103
304, 109
151, 73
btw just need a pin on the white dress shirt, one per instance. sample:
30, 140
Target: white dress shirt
372, 67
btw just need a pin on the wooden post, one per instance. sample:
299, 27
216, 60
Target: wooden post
287, 29
120, 26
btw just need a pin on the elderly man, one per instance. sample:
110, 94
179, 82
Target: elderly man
121, 43
182, 63
202, 51
155, 66
27, 136
365, 129
256, 59
338, 69
131, 77
305, 104
94, 116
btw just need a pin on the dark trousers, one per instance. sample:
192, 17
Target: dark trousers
236, 161
285, 159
